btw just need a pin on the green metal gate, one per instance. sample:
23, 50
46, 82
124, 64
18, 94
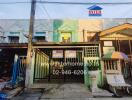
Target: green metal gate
41, 70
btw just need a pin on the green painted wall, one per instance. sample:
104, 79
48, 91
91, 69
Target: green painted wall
65, 26
87, 65
87, 79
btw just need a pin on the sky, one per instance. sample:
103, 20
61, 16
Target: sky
55, 11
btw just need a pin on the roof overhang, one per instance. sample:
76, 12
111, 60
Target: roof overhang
13, 45
121, 29
48, 45
64, 45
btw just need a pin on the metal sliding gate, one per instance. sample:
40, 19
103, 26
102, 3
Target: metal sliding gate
75, 68
42, 69
65, 69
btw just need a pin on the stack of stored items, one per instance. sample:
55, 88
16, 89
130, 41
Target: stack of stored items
5, 74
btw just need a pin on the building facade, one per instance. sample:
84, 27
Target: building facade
82, 30
60, 42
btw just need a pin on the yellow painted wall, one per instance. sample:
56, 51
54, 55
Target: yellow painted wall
89, 25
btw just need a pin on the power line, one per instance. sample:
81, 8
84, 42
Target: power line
46, 11
14, 2
83, 3
71, 3
40, 8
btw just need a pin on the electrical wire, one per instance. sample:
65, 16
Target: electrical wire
38, 7
14, 2
83, 3
70, 3
46, 11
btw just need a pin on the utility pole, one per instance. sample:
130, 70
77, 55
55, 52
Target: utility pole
30, 37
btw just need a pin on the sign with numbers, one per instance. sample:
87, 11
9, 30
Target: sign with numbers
70, 54
57, 54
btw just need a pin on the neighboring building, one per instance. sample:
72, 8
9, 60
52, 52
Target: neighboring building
14, 40
16, 30
118, 38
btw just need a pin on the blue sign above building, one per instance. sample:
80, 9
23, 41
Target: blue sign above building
95, 11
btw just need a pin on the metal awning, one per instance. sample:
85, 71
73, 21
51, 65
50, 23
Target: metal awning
13, 45
49, 45
64, 45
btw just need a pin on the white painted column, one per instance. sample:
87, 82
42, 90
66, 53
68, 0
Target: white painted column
30, 72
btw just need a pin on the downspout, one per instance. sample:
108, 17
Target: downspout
83, 35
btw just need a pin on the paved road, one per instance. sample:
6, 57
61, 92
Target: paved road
67, 91
62, 92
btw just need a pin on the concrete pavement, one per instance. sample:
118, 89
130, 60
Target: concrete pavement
67, 91
71, 91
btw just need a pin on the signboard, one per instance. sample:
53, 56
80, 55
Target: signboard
57, 54
107, 50
70, 54
115, 79
108, 43
95, 10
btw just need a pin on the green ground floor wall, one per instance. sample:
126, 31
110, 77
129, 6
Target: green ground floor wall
88, 80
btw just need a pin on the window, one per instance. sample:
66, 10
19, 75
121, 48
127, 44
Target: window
108, 43
124, 46
66, 37
66, 40
40, 37
13, 39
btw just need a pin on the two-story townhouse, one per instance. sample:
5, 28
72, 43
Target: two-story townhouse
63, 59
